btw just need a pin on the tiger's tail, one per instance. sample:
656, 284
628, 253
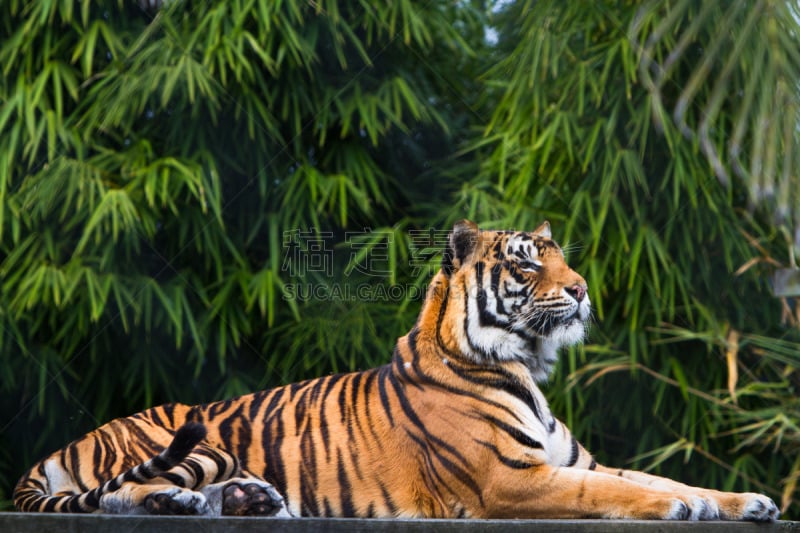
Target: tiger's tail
31, 494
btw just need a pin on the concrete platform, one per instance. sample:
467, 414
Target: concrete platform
30, 523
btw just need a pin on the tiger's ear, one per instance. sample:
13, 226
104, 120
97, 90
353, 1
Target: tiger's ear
462, 241
543, 230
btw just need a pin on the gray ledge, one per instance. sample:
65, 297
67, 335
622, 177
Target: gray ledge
29, 523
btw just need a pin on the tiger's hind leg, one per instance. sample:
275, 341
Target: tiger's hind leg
176, 501
209, 481
165, 499
238, 496
178, 490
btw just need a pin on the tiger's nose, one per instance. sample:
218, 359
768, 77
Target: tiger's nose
577, 291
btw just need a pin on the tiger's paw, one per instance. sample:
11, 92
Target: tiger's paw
747, 506
176, 501
760, 508
252, 498
693, 508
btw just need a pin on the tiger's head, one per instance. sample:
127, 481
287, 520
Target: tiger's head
510, 297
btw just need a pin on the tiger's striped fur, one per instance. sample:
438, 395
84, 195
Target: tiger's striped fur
453, 426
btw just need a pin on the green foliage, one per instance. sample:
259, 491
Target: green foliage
166, 176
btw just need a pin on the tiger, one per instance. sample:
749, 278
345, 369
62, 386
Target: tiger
454, 426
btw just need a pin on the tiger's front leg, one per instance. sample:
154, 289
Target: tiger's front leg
547, 491
730, 505
575, 475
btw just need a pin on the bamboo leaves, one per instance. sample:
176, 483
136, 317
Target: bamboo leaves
763, 145
151, 165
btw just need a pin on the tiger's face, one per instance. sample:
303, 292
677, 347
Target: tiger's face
521, 300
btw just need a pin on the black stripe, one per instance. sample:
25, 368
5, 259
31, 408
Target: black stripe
169, 410
301, 408
372, 375
218, 407
227, 428
73, 505
330, 382
515, 388
497, 249
92, 500
359, 398
508, 461
308, 475
245, 440
276, 399
197, 471
323, 421
345, 488
308, 453
139, 437
347, 408
574, 454
195, 414
227, 469
387, 500
354, 396
342, 401
174, 478
156, 418
316, 388
293, 388
221, 459
272, 439
308, 502
256, 401
439, 321
385, 373
99, 458
412, 346
514, 432
400, 368
326, 504
50, 505
485, 317
466, 324
497, 269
